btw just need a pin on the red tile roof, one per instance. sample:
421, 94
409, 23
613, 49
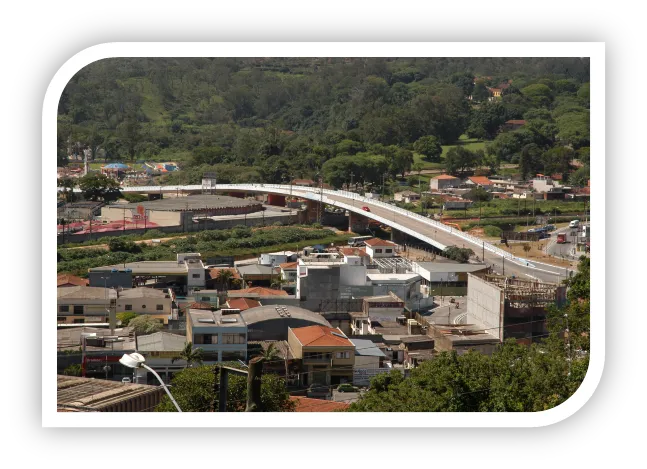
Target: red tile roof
482, 180
320, 336
261, 291
378, 242
354, 252
288, 266
445, 176
213, 273
242, 303
307, 404
63, 280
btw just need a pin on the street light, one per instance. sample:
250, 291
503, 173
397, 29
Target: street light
135, 360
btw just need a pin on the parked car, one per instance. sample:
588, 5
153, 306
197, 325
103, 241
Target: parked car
125, 380
366, 209
574, 224
550, 227
346, 387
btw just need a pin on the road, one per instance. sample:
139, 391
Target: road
565, 250
543, 272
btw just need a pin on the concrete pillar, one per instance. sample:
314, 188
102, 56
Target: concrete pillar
350, 221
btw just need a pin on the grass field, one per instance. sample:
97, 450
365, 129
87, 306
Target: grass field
468, 143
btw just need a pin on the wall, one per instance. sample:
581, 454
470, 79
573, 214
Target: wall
362, 361
112, 279
485, 305
145, 305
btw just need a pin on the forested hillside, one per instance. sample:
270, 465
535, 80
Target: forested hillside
271, 119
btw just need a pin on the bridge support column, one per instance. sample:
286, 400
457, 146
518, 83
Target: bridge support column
350, 221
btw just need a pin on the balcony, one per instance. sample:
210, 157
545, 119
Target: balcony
318, 360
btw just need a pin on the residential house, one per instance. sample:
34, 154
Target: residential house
159, 349
377, 248
543, 183
255, 292
221, 337
514, 124
479, 181
369, 361
455, 203
326, 354
66, 280
277, 258
142, 300
355, 255
403, 285
289, 271
207, 296
242, 304
79, 304
212, 278
258, 274
443, 181
406, 196
446, 278
384, 306
495, 93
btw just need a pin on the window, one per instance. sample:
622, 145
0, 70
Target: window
317, 355
159, 307
79, 321
339, 354
205, 298
78, 309
143, 306
378, 251
346, 354
64, 309
388, 251
129, 307
61, 319
195, 276
233, 339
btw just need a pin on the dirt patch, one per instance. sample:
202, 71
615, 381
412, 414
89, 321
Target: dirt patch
536, 252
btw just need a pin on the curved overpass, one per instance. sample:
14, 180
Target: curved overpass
427, 230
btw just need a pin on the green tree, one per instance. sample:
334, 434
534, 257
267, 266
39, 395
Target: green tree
530, 161
145, 324
189, 355
193, 391
224, 277
68, 185
455, 253
95, 186
126, 317
73, 370
270, 353
480, 92
121, 245
574, 129
459, 159
558, 160
580, 176
428, 146
539, 95
478, 194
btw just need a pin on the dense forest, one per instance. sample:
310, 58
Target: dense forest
270, 119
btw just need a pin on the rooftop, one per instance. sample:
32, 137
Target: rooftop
213, 273
288, 266
393, 278
353, 252
321, 336
450, 267
200, 318
65, 279
147, 267
242, 303
307, 404
445, 176
255, 292
194, 202
95, 394
271, 312
484, 181
85, 293
256, 269
367, 348
142, 292
378, 242
161, 342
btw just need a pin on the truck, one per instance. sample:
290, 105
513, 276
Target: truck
561, 238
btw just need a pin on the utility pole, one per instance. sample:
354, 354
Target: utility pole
254, 377
483, 258
503, 266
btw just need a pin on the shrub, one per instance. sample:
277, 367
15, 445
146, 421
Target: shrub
491, 230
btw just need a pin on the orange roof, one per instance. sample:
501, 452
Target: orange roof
213, 273
242, 303
66, 279
378, 242
288, 266
445, 176
354, 252
199, 305
321, 336
480, 180
307, 404
261, 291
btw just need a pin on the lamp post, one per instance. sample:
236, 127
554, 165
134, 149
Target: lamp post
135, 360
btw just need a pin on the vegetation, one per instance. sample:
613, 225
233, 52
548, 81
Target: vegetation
492, 231
73, 370
145, 324
515, 378
455, 253
126, 317
270, 119
193, 389
96, 186
189, 355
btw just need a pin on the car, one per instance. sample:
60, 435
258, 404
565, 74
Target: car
533, 230
366, 209
125, 380
550, 227
574, 224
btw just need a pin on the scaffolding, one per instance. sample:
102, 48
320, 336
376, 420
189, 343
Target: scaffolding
521, 293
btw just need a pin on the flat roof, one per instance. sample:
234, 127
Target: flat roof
269, 312
96, 393
85, 293
450, 267
193, 202
394, 278
161, 342
366, 348
142, 292
202, 318
144, 267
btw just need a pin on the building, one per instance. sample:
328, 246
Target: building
259, 274
511, 307
180, 211
456, 203
242, 304
443, 181
66, 280
377, 248
256, 293
221, 337
543, 183
369, 361
78, 304
406, 196
159, 349
326, 354
207, 296
289, 271
157, 303
213, 277
277, 258
98, 395
383, 307
445, 278
514, 124
79, 210
405, 286
271, 322
184, 275
479, 181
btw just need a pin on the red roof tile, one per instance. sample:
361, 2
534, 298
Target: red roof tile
261, 291
482, 180
354, 252
445, 176
307, 404
288, 266
320, 336
242, 303
378, 242
63, 280
213, 273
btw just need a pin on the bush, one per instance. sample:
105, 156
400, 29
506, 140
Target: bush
491, 230
125, 318
455, 253
145, 324
73, 370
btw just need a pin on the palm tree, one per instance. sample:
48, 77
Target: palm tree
224, 276
189, 355
270, 353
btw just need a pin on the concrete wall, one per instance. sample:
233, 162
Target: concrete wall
113, 279
145, 305
485, 305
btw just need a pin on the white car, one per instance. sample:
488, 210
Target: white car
125, 380
574, 224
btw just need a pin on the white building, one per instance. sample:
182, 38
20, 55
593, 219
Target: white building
377, 248
276, 258
443, 181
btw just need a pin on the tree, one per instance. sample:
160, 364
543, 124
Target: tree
68, 185
574, 129
459, 159
480, 92
526, 248
193, 389
478, 194
270, 353
120, 245
530, 161
189, 355
96, 186
455, 253
73, 370
224, 277
538, 94
580, 177
145, 324
428, 146
558, 160
126, 317
486, 121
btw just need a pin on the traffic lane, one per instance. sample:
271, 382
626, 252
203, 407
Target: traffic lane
545, 273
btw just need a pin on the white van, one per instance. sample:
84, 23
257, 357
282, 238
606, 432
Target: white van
574, 224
